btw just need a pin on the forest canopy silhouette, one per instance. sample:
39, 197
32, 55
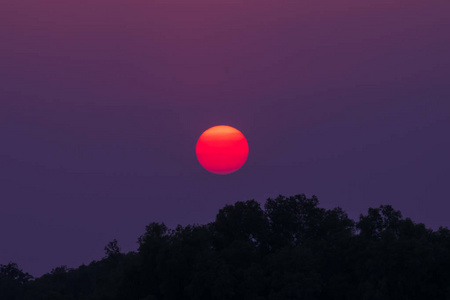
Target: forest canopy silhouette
288, 249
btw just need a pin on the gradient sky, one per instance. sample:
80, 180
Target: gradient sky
102, 103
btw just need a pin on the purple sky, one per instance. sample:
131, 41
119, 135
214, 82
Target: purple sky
102, 103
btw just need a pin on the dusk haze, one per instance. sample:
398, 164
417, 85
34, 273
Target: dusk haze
103, 105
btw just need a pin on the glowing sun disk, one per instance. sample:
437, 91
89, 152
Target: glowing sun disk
222, 149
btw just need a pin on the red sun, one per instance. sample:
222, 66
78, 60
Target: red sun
222, 149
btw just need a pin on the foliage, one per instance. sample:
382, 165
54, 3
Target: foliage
290, 249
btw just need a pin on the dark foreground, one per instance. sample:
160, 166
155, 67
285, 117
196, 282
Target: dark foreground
291, 249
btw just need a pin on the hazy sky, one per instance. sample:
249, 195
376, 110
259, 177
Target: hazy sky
102, 102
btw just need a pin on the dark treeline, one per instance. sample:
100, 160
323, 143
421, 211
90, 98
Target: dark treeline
290, 249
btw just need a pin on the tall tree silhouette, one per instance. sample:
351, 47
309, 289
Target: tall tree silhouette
291, 249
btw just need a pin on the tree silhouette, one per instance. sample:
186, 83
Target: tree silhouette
112, 250
12, 281
291, 249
